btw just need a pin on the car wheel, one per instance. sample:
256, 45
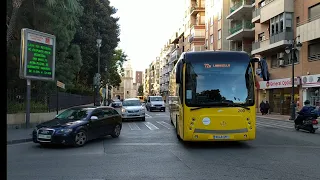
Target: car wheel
143, 119
116, 131
80, 138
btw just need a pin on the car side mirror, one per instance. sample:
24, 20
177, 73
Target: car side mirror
94, 118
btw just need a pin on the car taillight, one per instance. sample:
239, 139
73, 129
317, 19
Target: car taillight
314, 121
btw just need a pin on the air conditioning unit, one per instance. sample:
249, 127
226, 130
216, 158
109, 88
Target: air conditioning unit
280, 55
281, 63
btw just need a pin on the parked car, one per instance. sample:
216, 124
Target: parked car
133, 109
155, 103
78, 125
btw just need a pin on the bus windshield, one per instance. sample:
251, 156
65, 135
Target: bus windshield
218, 83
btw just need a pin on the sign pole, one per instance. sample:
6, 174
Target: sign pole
28, 103
57, 100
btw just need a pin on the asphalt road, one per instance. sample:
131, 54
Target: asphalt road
149, 150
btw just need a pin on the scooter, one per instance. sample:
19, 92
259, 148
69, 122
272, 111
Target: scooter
309, 124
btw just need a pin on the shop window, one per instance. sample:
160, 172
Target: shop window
313, 51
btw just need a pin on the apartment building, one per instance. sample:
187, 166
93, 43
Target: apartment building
165, 68
146, 84
277, 24
241, 33
154, 77
216, 25
194, 25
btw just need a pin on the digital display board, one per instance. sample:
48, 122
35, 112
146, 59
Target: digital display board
37, 60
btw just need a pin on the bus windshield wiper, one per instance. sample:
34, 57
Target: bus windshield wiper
236, 105
196, 108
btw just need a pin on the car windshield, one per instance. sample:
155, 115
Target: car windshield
131, 103
219, 83
75, 113
156, 99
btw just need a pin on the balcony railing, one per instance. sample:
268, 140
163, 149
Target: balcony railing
284, 35
256, 13
241, 3
239, 26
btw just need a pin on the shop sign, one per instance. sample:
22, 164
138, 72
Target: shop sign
278, 83
311, 81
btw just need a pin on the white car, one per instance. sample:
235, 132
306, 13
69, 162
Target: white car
133, 109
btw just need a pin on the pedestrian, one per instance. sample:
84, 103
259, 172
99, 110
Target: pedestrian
262, 107
267, 107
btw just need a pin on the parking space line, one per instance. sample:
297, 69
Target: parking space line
151, 126
134, 126
168, 126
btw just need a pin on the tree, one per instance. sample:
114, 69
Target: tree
140, 90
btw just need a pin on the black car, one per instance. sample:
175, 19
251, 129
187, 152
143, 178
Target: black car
77, 125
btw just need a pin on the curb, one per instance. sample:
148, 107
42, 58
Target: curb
18, 141
275, 119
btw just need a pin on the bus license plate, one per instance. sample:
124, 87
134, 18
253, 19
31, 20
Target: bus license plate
221, 137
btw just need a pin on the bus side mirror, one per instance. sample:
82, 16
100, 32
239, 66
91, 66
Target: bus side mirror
264, 67
179, 72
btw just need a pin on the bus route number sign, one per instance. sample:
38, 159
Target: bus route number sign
37, 59
208, 66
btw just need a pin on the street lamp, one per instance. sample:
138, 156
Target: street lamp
99, 40
292, 49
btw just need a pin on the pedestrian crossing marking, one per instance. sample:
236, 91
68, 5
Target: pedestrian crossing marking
168, 126
134, 126
150, 126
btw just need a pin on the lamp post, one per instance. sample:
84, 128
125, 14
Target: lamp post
292, 49
99, 40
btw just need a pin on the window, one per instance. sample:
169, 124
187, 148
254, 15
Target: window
107, 112
211, 39
261, 37
314, 11
99, 113
261, 4
219, 34
313, 51
274, 61
297, 21
118, 88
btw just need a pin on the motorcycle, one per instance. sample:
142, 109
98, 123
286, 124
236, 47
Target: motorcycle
309, 124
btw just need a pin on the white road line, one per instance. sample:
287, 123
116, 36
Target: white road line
276, 124
134, 126
168, 126
150, 126
148, 116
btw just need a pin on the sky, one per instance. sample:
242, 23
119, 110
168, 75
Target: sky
146, 26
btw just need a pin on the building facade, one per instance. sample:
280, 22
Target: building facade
217, 26
241, 33
277, 24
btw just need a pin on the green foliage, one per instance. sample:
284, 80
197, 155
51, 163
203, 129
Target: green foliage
76, 25
140, 90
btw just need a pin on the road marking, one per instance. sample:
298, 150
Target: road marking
148, 115
150, 126
273, 125
168, 126
134, 126
145, 144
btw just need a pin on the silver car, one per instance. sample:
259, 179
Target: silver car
133, 109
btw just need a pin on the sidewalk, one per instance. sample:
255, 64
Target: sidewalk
275, 117
15, 136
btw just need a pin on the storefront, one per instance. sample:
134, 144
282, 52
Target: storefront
311, 88
278, 93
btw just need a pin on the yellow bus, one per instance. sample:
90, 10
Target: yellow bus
216, 96
141, 99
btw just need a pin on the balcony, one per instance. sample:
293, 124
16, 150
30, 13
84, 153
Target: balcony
241, 30
274, 8
244, 47
275, 42
241, 9
194, 10
174, 55
309, 30
198, 48
256, 16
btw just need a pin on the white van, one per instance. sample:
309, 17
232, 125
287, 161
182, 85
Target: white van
155, 103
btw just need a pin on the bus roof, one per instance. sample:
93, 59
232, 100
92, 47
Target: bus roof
189, 56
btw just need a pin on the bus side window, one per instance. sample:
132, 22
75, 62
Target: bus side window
181, 93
